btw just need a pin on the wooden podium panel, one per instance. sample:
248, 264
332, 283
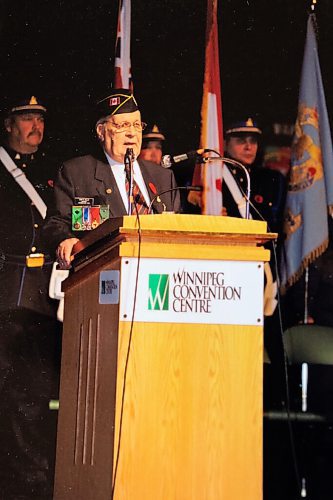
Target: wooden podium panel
87, 394
183, 420
192, 413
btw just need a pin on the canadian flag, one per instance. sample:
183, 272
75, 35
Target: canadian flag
210, 175
122, 67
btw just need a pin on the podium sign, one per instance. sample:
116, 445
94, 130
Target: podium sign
188, 291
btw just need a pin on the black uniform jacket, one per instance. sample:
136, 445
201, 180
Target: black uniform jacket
20, 235
267, 195
91, 177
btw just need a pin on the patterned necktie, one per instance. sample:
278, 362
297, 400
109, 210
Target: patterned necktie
139, 205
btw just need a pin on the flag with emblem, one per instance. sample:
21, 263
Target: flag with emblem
310, 188
210, 175
122, 67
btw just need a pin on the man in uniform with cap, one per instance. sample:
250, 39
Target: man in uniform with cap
267, 196
151, 148
268, 187
102, 181
29, 331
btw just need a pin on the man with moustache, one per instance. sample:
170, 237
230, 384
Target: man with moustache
100, 180
29, 331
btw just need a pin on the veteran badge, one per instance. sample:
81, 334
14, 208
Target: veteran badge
87, 217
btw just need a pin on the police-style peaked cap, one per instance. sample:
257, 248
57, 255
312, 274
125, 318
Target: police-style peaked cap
153, 134
243, 126
26, 105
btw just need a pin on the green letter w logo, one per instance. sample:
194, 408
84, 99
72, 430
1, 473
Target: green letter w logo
158, 295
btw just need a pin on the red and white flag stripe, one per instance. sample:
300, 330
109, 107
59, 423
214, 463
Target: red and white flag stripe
210, 175
211, 116
122, 68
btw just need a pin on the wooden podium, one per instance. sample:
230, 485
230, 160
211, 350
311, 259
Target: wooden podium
161, 379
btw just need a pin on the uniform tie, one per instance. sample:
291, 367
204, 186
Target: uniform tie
139, 205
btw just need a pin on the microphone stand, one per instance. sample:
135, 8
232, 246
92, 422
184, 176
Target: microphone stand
128, 162
247, 175
170, 190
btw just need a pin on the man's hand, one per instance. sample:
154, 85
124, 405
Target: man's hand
195, 197
64, 252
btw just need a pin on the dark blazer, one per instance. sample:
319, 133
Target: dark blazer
90, 177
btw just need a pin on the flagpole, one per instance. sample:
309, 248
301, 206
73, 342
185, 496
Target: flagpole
306, 295
307, 269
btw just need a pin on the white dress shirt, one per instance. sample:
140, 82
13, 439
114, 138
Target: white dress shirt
118, 170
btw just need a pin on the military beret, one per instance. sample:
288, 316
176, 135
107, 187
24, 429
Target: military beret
116, 102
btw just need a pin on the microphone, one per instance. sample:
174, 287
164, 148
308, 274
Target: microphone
129, 155
128, 159
167, 160
157, 196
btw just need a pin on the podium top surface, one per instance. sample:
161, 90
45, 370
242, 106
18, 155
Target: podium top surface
194, 224
179, 223
174, 226
173, 236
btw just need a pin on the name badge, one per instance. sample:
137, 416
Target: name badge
84, 201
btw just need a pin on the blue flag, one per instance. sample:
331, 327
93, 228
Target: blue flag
310, 190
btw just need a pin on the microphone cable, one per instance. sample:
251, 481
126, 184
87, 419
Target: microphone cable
285, 358
123, 393
116, 465
170, 190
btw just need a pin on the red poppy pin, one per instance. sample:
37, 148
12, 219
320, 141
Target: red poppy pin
258, 198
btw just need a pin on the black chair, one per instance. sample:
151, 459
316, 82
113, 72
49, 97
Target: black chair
313, 428
312, 344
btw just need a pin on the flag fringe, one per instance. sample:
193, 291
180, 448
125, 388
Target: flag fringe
311, 257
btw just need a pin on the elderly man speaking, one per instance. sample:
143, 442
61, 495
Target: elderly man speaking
89, 190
